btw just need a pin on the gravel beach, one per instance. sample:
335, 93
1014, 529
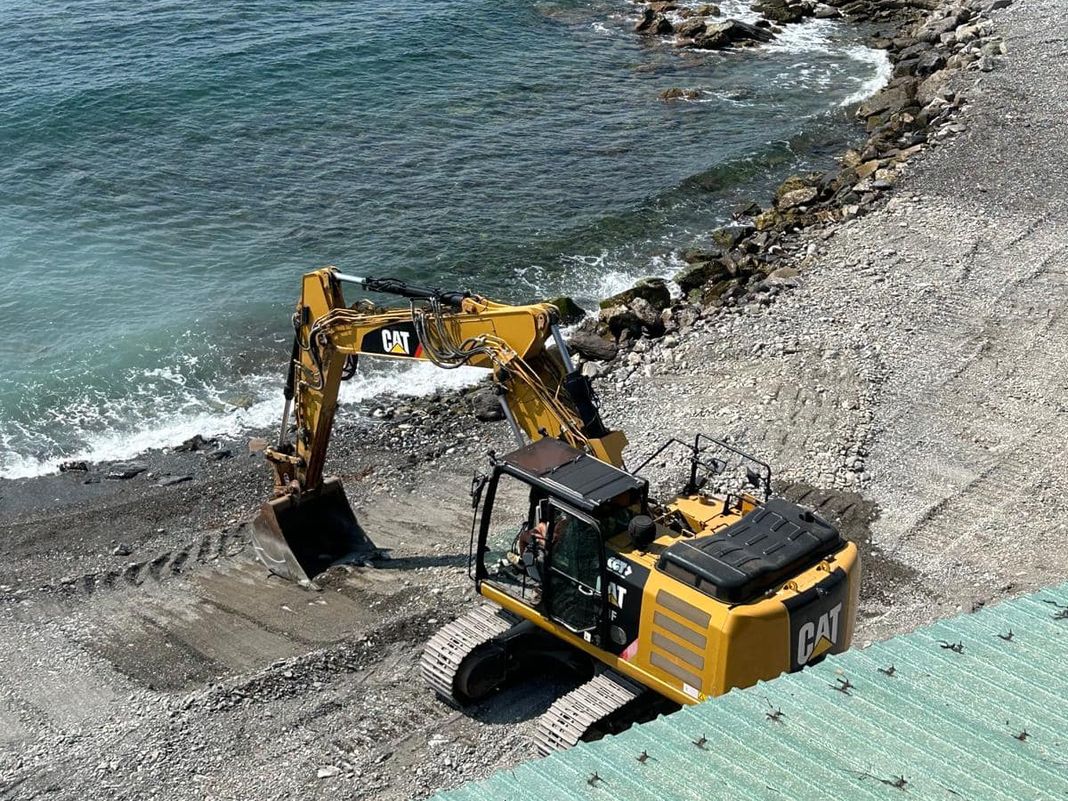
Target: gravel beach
908, 378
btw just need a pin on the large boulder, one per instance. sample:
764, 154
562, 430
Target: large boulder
652, 323
893, 99
592, 347
691, 28
931, 61
729, 236
798, 181
700, 273
676, 93
798, 197
570, 312
694, 255
653, 290
619, 320
653, 23
933, 86
485, 405
731, 32
785, 11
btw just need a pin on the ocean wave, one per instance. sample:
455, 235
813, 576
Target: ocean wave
154, 423
883, 72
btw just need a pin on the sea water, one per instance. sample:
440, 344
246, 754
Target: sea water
169, 169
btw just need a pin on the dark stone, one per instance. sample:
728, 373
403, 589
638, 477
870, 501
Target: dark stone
69, 467
127, 470
694, 255
699, 274
798, 181
170, 481
220, 454
751, 209
653, 290
731, 32
906, 67
653, 23
729, 236
485, 406
195, 443
930, 62
649, 317
592, 347
915, 50
890, 100
570, 312
663, 26
691, 28
720, 290
785, 11
622, 323
675, 93
646, 22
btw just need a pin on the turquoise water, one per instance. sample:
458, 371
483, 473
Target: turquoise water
168, 170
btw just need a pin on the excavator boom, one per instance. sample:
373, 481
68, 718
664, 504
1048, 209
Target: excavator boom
309, 524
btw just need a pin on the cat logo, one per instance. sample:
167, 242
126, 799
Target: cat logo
395, 342
816, 638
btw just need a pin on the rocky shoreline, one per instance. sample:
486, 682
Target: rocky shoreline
931, 45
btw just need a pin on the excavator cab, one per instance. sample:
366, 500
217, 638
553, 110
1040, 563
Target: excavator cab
548, 513
299, 536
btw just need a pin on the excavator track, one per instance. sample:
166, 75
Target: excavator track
573, 716
445, 653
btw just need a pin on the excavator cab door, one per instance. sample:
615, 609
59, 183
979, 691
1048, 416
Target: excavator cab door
575, 593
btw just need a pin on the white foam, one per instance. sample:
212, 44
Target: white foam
206, 414
883, 72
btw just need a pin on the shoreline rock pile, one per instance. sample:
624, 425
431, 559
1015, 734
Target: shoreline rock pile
758, 256
698, 27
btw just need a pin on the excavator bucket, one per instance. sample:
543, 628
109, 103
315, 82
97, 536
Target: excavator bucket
298, 539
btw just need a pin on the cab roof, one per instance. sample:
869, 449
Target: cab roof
569, 473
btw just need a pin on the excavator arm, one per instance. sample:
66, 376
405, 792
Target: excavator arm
308, 524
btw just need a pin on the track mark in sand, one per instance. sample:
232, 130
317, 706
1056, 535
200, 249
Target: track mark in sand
987, 507
213, 546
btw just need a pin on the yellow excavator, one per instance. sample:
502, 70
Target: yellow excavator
655, 602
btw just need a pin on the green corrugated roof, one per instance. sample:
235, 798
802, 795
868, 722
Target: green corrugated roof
987, 721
